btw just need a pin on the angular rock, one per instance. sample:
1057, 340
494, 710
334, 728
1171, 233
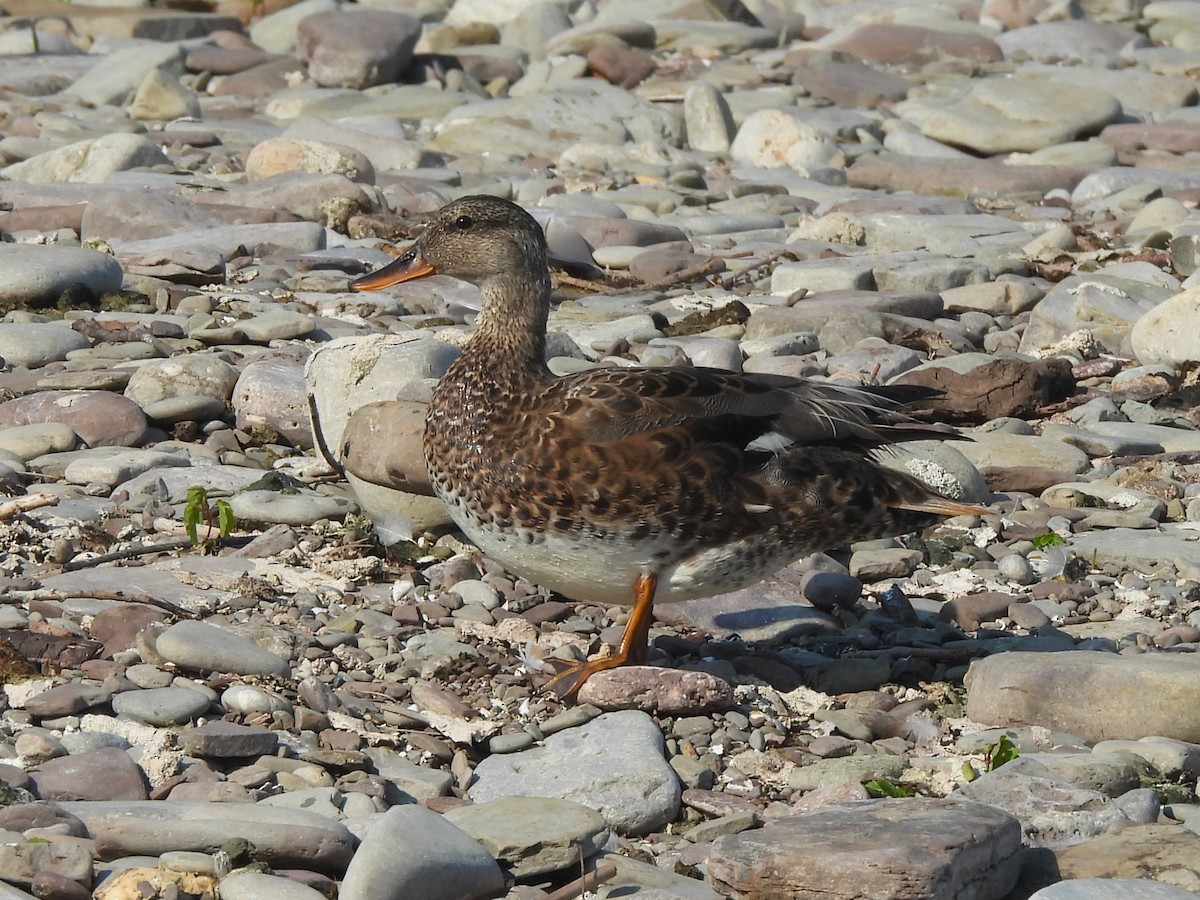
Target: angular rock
992, 389
914, 848
532, 835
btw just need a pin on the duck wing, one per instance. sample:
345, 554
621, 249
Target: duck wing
728, 407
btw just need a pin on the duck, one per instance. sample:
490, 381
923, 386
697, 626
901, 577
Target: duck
639, 485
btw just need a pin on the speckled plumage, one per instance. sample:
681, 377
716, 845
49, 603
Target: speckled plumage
684, 482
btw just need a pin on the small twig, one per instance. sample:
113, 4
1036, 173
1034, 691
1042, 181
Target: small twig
710, 265
12, 508
58, 596
581, 885
173, 544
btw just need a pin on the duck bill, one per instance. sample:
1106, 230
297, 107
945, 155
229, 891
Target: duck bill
409, 266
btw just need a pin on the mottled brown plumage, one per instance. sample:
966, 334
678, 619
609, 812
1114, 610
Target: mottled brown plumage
622, 485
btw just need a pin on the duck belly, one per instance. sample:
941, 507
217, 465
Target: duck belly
603, 570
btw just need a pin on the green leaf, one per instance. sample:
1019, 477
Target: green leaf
968, 772
226, 521
881, 787
192, 517
1048, 539
1001, 752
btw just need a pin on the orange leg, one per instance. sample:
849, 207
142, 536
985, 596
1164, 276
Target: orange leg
631, 651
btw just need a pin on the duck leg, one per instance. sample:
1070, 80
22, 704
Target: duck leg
631, 651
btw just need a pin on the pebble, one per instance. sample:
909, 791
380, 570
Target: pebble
183, 206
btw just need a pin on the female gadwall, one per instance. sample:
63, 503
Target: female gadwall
627, 485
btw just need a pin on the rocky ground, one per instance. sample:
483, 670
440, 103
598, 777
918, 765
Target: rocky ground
995, 199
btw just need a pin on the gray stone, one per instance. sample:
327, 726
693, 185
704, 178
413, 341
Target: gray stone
941, 465
36, 274
349, 373
709, 122
413, 782
30, 442
584, 110
303, 507
196, 373
532, 835
200, 647
1112, 889
839, 770
410, 851
259, 886
1099, 696
271, 393
91, 161
357, 48
1106, 303
1169, 758
1001, 450
227, 740
283, 838
105, 774
163, 97
119, 73
1003, 114
1052, 813
1140, 550
613, 764
161, 706
1165, 333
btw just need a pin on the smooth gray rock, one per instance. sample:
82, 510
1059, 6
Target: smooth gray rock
161, 706
1099, 696
300, 508
259, 886
36, 274
1140, 550
283, 838
118, 74
1112, 889
197, 646
613, 764
411, 852
92, 161
196, 373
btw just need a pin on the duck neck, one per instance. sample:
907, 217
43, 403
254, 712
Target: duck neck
511, 329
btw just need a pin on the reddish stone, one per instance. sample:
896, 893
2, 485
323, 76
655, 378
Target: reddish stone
993, 390
621, 66
105, 774
892, 44
100, 418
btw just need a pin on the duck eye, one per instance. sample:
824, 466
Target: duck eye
462, 223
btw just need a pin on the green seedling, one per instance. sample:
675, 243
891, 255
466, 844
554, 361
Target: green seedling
198, 510
994, 756
881, 787
1048, 539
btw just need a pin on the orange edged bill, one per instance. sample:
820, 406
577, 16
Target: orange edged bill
408, 266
